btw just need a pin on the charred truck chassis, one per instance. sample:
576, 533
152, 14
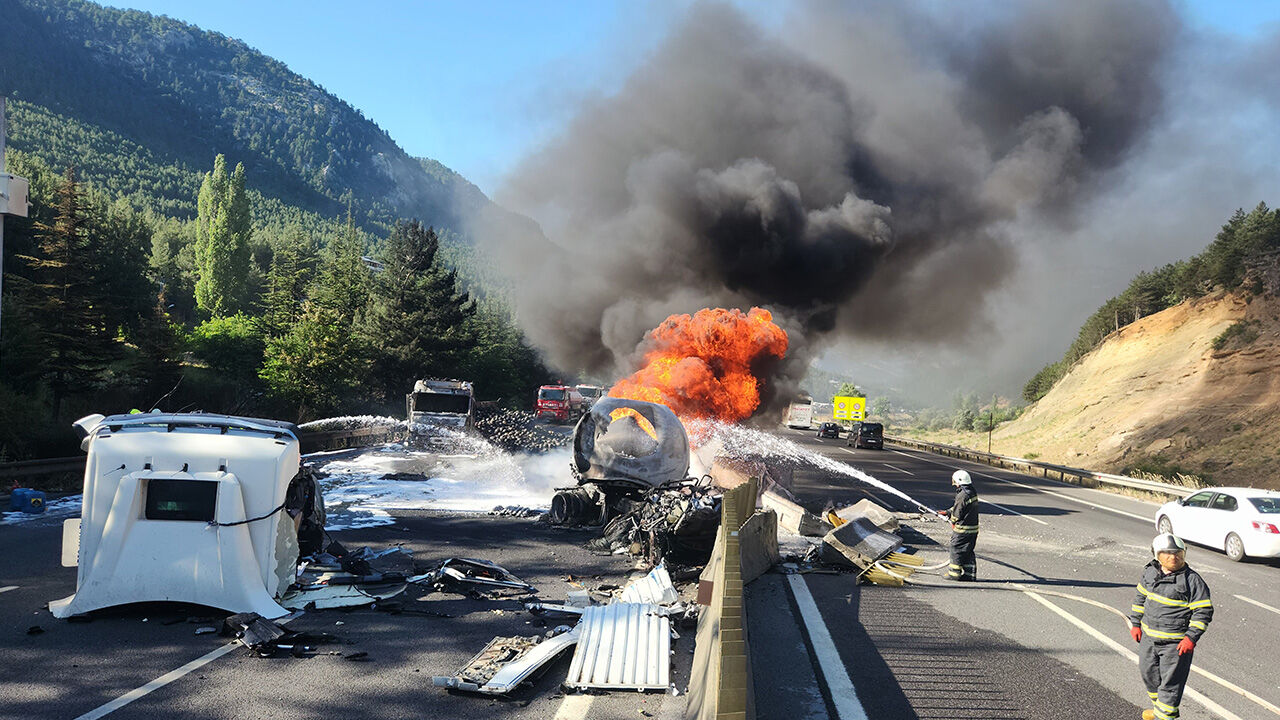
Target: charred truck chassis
631, 461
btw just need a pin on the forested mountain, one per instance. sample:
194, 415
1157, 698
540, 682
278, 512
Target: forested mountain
200, 233
153, 91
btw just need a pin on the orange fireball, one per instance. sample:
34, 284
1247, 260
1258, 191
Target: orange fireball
703, 366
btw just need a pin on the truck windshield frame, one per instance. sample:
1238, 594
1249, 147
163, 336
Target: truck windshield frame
552, 394
441, 403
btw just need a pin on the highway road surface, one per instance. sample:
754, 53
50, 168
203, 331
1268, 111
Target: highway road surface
1002, 647
821, 646
145, 661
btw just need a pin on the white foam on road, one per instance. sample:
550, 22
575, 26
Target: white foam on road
475, 476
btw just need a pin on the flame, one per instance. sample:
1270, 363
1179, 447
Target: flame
701, 366
634, 414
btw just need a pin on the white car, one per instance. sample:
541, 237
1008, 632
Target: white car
1243, 522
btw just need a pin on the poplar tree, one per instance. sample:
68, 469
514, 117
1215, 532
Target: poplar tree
222, 240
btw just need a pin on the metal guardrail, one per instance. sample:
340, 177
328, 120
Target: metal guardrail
1063, 473
343, 439
310, 442
44, 466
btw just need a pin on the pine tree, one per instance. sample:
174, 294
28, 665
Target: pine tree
418, 320
64, 301
344, 282
286, 288
222, 240
155, 367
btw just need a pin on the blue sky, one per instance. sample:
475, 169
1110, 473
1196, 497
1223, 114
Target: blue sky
477, 85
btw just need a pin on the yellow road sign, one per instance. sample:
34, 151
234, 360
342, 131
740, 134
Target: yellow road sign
849, 408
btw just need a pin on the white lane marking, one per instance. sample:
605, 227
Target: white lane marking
843, 696
1043, 490
1133, 657
1261, 605
901, 470
1015, 512
168, 677
7, 588
574, 707
158, 683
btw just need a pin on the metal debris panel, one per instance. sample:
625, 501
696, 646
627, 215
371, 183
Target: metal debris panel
654, 588
622, 646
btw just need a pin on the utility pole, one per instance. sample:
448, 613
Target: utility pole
991, 423
5, 180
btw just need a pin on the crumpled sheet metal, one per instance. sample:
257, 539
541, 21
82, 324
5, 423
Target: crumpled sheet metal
622, 646
612, 445
505, 663
858, 543
655, 588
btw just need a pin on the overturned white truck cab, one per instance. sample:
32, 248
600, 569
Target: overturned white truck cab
190, 507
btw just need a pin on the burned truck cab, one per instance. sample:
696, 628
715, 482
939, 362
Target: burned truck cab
435, 406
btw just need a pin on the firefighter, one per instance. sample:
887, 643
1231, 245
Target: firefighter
964, 528
1170, 613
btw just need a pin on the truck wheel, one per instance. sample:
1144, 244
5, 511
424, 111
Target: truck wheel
1235, 547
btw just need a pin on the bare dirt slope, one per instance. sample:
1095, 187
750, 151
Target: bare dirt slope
1156, 392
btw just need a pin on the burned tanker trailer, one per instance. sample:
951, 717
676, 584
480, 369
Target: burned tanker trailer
631, 461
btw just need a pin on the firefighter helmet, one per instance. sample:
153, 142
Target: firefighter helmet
1167, 542
960, 477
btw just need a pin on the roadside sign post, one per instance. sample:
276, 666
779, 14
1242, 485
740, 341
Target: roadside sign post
849, 408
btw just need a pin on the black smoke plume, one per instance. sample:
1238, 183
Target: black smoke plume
855, 174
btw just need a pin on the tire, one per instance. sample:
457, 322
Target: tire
1164, 525
1235, 547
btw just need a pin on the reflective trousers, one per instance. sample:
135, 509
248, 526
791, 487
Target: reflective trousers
1164, 672
964, 561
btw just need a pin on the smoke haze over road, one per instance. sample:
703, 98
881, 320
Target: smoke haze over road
900, 178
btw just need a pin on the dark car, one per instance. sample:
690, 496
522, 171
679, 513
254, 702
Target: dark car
867, 435
829, 430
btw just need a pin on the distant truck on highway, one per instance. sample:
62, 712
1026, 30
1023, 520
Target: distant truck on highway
561, 403
441, 404
799, 415
590, 394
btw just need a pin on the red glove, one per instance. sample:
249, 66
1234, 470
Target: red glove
1186, 646
1136, 632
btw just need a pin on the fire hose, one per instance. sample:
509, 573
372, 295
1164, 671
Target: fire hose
1001, 585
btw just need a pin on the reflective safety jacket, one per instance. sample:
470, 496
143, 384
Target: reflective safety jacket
1171, 606
964, 514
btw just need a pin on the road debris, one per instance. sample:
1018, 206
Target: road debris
466, 576
506, 662
879, 516
860, 544
655, 588
622, 646
190, 507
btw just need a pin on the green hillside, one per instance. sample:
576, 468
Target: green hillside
154, 99
152, 274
